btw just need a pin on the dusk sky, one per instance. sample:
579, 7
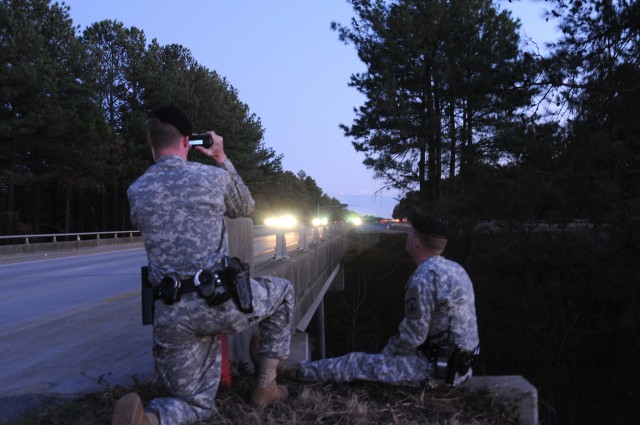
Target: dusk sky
291, 70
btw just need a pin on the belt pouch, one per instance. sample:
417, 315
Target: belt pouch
170, 291
212, 287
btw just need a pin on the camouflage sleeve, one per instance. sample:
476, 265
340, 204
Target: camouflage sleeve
414, 328
133, 216
238, 198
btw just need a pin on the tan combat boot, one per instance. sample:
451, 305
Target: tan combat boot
284, 369
129, 411
267, 391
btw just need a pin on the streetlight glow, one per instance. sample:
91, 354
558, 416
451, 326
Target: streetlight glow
317, 222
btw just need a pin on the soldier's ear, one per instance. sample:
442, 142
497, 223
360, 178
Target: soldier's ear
419, 243
153, 151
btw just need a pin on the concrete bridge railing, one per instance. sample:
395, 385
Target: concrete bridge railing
311, 271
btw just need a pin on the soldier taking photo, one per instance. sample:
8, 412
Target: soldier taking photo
198, 292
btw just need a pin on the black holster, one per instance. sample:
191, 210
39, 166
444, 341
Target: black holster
148, 297
241, 287
448, 359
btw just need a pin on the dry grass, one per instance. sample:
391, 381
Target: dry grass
318, 403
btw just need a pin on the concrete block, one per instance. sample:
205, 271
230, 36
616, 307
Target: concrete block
239, 344
299, 347
514, 389
240, 232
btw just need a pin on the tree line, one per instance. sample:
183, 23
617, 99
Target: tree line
470, 121
461, 115
73, 122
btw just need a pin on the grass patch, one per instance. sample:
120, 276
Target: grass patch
316, 403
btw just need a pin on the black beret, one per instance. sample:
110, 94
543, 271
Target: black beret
428, 225
174, 116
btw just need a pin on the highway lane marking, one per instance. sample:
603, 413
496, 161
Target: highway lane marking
56, 255
42, 320
122, 296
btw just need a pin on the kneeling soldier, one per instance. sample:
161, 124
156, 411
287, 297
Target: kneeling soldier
179, 206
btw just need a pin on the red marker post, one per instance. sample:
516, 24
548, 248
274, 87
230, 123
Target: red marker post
225, 375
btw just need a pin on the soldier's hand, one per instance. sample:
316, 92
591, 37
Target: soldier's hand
216, 150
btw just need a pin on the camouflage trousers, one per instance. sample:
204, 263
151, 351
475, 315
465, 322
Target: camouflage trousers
186, 345
407, 370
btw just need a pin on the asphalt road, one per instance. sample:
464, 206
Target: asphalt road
72, 324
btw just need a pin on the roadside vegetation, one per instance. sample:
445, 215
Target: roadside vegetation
345, 404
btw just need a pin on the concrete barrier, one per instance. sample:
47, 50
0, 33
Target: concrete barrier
512, 389
240, 232
311, 271
65, 246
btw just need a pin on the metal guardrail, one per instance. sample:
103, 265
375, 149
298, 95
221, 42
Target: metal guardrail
55, 237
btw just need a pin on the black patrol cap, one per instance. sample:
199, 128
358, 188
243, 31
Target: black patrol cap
174, 116
428, 225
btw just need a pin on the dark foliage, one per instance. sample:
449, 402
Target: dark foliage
73, 131
558, 305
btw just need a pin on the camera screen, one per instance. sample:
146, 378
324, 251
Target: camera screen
203, 140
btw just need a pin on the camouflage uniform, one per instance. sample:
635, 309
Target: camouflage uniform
179, 207
438, 293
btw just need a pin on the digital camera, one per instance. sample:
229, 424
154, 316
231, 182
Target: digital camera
203, 140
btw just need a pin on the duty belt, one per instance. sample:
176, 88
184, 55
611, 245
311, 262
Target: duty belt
215, 287
212, 286
188, 285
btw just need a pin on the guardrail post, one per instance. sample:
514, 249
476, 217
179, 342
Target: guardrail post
281, 246
316, 235
240, 232
302, 241
55, 239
